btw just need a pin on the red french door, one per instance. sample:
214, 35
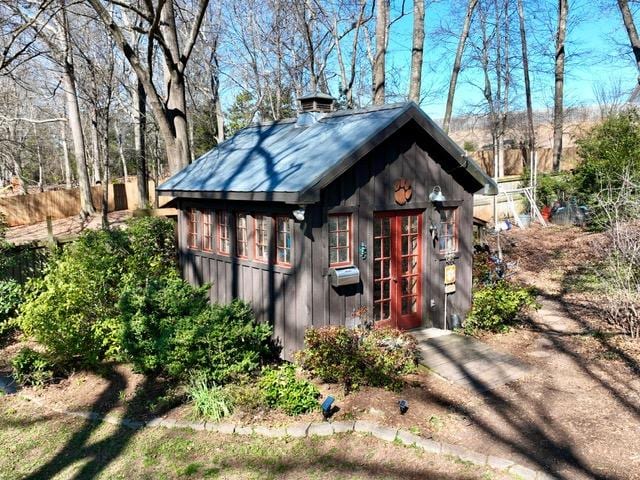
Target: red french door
397, 269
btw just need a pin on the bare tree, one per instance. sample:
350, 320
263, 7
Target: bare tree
417, 51
73, 112
558, 98
457, 63
379, 69
632, 32
161, 29
18, 42
531, 136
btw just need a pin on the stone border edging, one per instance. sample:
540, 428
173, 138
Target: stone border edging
308, 429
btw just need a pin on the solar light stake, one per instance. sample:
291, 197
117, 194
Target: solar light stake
327, 409
404, 406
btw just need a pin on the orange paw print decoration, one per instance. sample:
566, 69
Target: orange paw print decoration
402, 191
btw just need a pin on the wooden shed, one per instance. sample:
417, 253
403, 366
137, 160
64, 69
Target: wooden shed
310, 219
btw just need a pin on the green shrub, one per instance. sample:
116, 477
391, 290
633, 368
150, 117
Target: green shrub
497, 306
32, 368
353, 357
72, 311
11, 296
552, 187
223, 341
151, 315
245, 394
609, 152
281, 389
152, 247
167, 325
211, 402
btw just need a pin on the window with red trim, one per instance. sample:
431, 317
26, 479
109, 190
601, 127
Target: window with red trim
262, 238
448, 230
241, 236
207, 230
339, 239
284, 232
192, 228
224, 238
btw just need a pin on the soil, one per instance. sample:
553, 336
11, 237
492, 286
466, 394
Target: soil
576, 415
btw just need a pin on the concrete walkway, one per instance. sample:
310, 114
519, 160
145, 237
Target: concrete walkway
467, 361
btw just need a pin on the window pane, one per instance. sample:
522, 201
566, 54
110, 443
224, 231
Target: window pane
343, 239
333, 256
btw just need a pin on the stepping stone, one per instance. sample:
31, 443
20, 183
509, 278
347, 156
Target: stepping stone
469, 362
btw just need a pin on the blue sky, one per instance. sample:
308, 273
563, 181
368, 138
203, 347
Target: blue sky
597, 53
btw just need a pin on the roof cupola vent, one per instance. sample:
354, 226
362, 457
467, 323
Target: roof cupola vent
317, 102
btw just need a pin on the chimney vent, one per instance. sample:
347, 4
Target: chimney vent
317, 102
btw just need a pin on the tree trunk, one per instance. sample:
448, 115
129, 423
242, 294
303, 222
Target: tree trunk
417, 51
464, 34
65, 154
558, 112
123, 159
95, 145
631, 31
75, 123
139, 132
531, 135
382, 20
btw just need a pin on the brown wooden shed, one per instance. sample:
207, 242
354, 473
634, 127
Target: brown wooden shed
311, 218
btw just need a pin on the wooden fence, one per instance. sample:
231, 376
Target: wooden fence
514, 160
23, 262
36, 207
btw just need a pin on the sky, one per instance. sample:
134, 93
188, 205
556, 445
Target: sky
595, 46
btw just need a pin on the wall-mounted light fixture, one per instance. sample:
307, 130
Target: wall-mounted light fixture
436, 195
298, 214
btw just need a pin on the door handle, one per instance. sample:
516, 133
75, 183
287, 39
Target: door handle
395, 279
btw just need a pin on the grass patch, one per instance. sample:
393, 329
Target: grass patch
42, 444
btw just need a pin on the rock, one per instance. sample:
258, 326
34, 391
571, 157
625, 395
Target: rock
298, 430
320, 429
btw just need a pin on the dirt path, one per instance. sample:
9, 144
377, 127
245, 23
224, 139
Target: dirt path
577, 414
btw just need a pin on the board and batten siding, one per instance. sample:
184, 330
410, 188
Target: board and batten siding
295, 298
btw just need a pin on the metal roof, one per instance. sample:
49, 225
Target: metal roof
284, 161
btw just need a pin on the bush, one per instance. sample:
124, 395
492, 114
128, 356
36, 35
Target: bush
72, 311
11, 296
609, 152
211, 402
151, 315
223, 341
152, 247
245, 394
497, 306
281, 389
32, 368
167, 325
355, 357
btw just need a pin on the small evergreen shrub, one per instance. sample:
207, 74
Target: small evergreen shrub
168, 326
496, 306
281, 389
151, 316
353, 358
211, 402
245, 394
223, 341
32, 368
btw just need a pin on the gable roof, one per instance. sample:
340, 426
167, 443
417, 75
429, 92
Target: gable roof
284, 161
